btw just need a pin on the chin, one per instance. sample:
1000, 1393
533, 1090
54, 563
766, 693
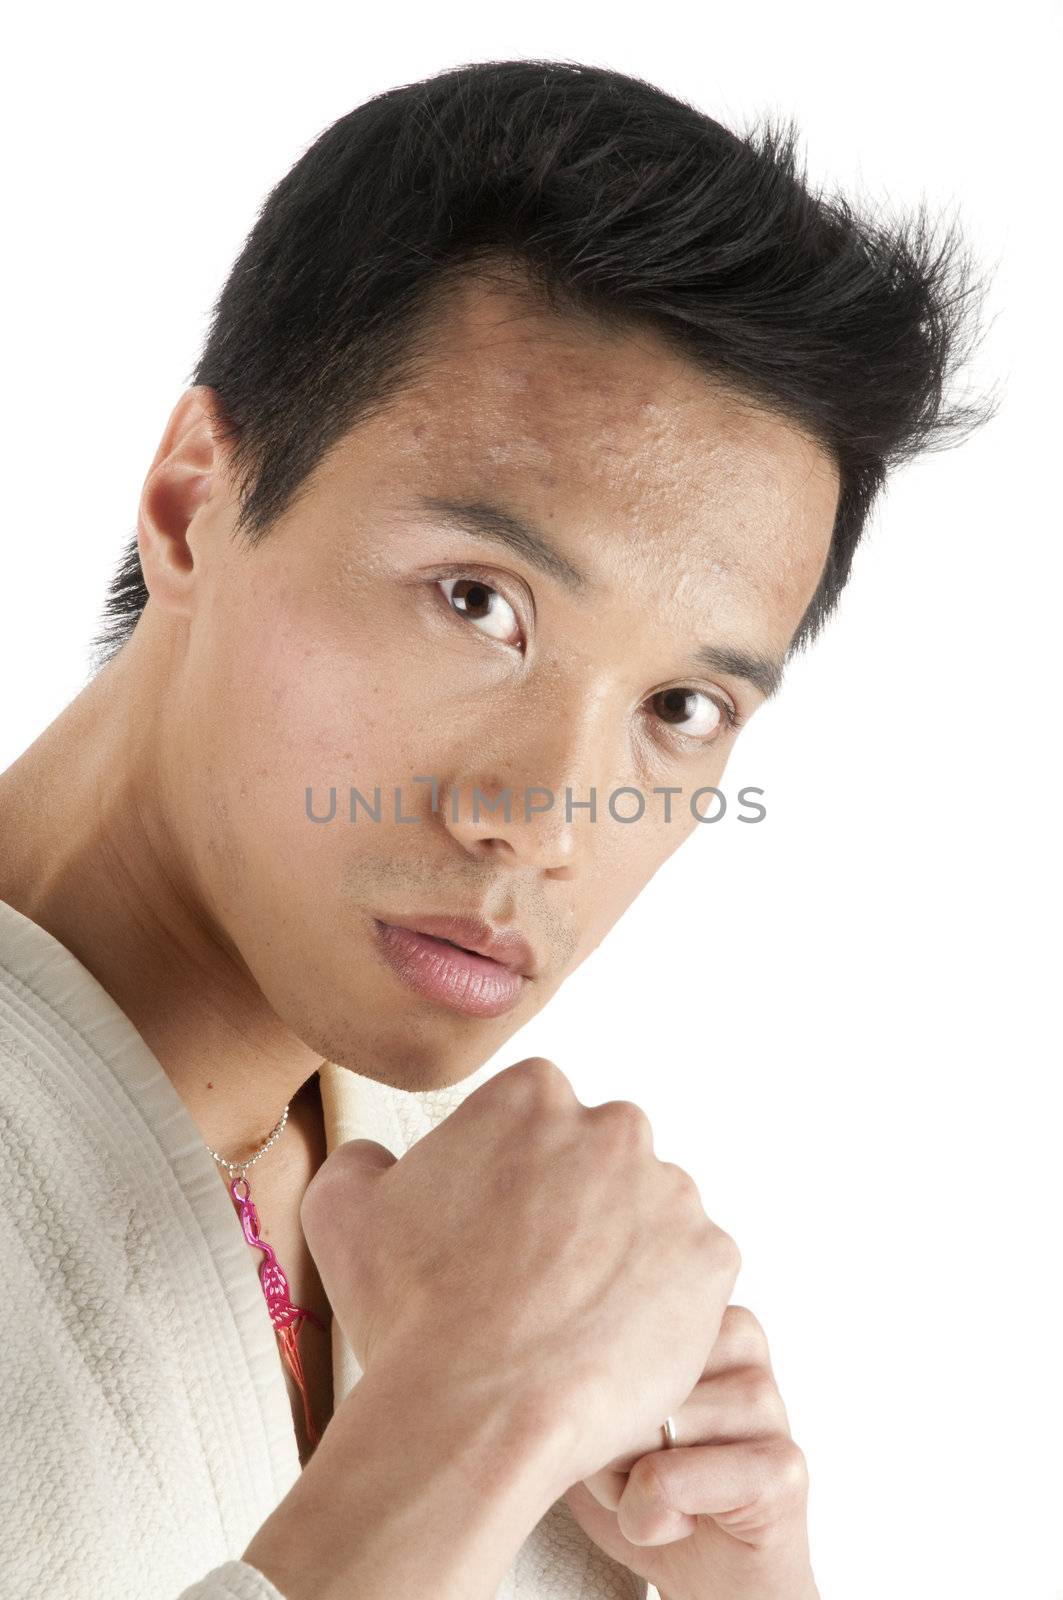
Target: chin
398, 1049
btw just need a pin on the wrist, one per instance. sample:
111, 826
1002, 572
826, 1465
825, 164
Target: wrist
416, 1488
524, 1430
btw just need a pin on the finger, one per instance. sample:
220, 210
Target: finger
740, 1404
745, 1487
741, 1342
607, 1486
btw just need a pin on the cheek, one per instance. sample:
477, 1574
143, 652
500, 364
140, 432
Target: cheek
296, 716
309, 712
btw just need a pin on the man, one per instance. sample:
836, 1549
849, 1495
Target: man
537, 424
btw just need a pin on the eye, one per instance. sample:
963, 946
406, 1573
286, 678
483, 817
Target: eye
483, 605
680, 709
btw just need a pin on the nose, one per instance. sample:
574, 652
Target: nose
531, 804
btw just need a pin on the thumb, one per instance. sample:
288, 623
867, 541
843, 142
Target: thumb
342, 1179
364, 1155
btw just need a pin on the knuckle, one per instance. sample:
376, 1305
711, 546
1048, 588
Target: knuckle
788, 1468
725, 1253
681, 1179
625, 1118
541, 1066
760, 1397
741, 1320
535, 1079
746, 1333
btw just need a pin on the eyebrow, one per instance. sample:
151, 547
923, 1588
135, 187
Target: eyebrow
486, 521
763, 672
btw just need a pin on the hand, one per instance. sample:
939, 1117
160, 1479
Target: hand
524, 1256
722, 1514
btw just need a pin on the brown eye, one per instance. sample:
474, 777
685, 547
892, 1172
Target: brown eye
680, 708
485, 606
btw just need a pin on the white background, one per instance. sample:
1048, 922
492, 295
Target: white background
838, 1021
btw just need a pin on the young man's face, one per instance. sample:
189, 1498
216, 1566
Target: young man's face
346, 650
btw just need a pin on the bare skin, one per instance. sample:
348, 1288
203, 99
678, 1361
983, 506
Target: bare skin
157, 826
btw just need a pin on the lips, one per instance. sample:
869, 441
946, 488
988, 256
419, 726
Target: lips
509, 948
434, 966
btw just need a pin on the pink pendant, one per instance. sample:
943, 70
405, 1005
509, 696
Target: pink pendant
286, 1318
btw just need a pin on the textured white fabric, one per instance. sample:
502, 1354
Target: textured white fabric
147, 1428
234, 1580
149, 1431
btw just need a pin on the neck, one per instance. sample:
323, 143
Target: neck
88, 852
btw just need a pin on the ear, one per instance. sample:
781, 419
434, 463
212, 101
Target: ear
184, 480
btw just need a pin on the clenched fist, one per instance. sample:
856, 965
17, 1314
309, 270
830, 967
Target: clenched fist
531, 1251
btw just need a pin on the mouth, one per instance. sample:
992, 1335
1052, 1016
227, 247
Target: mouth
505, 946
460, 963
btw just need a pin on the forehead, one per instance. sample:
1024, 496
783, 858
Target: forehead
611, 440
